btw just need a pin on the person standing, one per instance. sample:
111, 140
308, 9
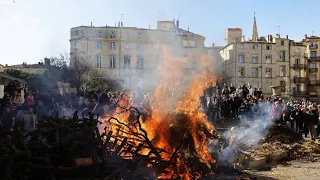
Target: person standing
30, 121
8, 120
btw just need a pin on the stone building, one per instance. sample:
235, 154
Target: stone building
312, 56
260, 62
131, 55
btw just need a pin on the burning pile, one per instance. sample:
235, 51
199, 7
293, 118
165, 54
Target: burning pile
175, 126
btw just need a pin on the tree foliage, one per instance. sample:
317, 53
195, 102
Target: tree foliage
19, 74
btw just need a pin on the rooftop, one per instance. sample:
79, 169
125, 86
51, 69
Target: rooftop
24, 65
184, 32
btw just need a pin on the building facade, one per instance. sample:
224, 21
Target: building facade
132, 55
312, 58
262, 62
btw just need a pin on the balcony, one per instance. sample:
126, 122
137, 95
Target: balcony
298, 66
300, 80
316, 58
314, 82
313, 46
313, 70
300, 94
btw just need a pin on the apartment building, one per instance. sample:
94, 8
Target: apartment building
261, 61
132, 55
312, 57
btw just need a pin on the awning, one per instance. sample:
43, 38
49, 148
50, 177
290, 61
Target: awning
5, 75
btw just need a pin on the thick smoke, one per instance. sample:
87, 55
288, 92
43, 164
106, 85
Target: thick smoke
248, 134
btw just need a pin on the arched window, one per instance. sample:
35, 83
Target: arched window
99, 45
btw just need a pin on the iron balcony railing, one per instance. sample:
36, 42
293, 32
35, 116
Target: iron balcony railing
313, 46
314, 82
298, 66
313, 70
315, 58
300, 93
300, 80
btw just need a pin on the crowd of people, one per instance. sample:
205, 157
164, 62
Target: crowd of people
248, 103
21, 109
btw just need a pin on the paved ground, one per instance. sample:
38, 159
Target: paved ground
292, 171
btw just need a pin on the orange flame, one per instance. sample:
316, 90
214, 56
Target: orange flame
176, 113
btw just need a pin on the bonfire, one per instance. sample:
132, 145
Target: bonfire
176, 131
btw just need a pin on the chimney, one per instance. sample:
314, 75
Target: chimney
212, 44
149, 26
115, 24
306, 36
243, 39
91, 24
277, 35
287, 36
188, 28
46, 61
121, 24
177, 23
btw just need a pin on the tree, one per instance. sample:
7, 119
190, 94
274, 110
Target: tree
19, 74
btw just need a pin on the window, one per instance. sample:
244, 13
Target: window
139, 46
314, 45
139, 61
268, 59
282, 71
254, 46
241, 58
297, 61
254, 72
313, 53
99, 34
188, 43
139, 34
127, 45
113, 34
192, 43
127, 61
282, 56
99, 45
313, 65
313, 79
241, 72
127, 35
98, 61
268, 47
282, 43
184, 43
268, 72
76, 45
112, 45
112, 61
254, 59
283, 86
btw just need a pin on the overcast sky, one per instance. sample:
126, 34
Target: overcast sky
33, 29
